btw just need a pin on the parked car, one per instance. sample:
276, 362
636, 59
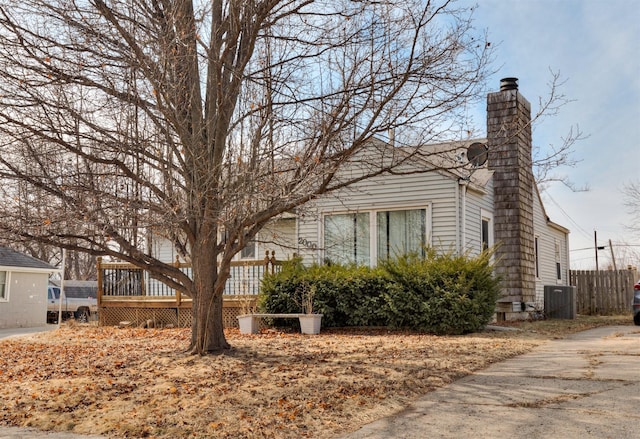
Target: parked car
636, 303
79, 308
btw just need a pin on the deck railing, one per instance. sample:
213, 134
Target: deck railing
121, 280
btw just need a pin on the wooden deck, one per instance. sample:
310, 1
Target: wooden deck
127, 293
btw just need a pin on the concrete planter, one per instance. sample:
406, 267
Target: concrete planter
248, 324
310, 323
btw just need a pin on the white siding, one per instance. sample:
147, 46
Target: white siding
26, 304
162, 249
279, 236
475, 203
548, 237
433, 191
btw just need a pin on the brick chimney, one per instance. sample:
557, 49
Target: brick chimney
509, 156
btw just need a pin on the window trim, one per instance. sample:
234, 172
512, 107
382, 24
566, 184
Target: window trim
5, 290
488, 216
536, 256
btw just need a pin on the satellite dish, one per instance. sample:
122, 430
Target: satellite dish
477, 154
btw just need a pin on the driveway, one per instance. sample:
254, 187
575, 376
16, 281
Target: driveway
16, 332
584, 386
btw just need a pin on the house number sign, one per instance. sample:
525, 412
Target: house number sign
307, 243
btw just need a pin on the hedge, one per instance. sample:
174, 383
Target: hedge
436, 293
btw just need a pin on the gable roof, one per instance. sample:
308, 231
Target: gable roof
449, 158
15, 259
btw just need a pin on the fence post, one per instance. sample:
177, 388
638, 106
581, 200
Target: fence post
99, 272
273, 261
266, 261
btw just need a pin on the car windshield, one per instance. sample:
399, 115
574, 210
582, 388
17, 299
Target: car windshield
54, 291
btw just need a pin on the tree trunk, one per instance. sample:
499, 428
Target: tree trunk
207, 335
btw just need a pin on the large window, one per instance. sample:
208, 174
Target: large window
400, 232
3, 288
348, 237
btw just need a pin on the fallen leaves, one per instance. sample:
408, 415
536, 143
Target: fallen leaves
135, 382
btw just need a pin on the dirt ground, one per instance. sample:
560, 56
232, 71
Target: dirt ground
134, 382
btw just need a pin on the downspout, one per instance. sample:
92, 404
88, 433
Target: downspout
567, 259
463, 213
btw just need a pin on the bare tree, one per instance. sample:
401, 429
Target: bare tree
203, 120
547, 160
631, 193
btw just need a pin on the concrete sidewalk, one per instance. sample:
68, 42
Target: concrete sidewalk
17, 332
584, 386
29, 433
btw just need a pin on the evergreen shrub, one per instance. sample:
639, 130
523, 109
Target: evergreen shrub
436, 293
441, 293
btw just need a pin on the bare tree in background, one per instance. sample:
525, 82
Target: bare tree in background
631, 193
200, 121
547, 160
78, 266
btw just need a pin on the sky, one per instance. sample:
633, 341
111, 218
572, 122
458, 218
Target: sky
595, 47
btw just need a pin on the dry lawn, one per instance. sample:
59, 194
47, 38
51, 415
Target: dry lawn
139, 383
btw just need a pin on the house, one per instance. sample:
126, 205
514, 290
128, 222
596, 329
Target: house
23, 289
478, 193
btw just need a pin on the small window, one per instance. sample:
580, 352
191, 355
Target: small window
537, 256
249, 251
486, 230
485, 234
558, 266
3, 288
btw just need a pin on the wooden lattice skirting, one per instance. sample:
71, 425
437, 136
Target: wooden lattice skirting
161, 317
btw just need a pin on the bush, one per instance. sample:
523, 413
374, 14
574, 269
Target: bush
345, 295
439, 293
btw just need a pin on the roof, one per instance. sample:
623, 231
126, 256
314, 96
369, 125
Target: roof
450, 158
15, 259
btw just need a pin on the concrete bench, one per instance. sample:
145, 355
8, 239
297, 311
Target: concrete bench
309, 323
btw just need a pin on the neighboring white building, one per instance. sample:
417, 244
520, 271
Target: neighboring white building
23, 290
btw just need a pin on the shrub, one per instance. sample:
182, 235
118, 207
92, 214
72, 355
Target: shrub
438, 293
345, 295
441, 293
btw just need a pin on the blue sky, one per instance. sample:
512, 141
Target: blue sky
595, 46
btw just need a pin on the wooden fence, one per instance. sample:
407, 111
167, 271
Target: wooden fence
603, 292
